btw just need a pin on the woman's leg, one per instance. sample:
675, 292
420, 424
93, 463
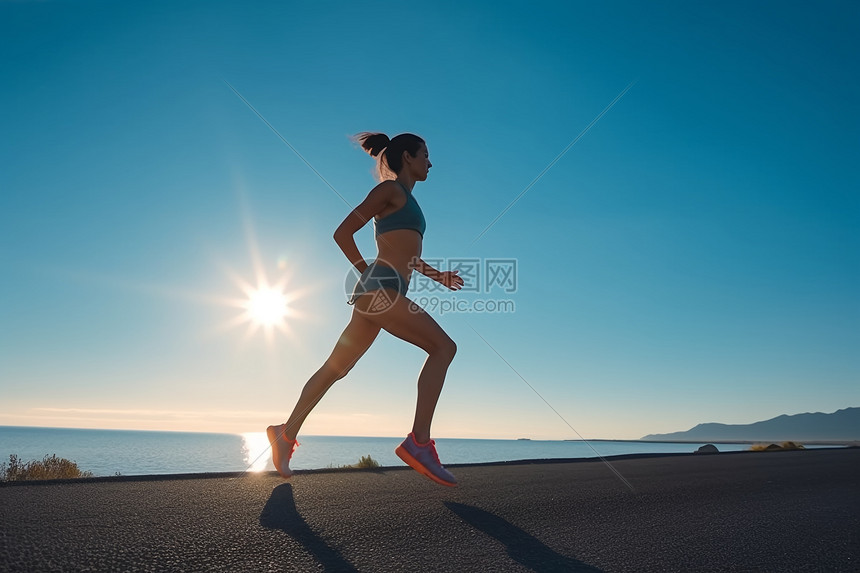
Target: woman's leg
357, 337
407, 321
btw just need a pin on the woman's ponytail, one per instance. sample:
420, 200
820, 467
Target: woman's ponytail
388, 152
373, 143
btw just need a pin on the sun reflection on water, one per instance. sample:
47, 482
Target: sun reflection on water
255, 450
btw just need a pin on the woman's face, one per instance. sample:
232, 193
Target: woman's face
419, 165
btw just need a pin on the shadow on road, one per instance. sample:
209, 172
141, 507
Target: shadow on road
280, 513
523, 548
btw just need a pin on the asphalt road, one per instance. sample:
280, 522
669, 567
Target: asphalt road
778, 511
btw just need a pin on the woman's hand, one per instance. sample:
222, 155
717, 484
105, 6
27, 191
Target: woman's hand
450, 279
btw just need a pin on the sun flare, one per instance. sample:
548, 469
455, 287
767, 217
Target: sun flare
267, 306
255, 450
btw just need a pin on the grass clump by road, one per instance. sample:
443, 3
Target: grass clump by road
776, 447
365, 462
50, 467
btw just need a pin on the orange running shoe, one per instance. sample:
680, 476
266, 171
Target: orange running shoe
282, 449
424, 459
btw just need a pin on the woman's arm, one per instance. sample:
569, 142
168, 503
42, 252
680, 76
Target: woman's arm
420, 265
375, 202
448, 278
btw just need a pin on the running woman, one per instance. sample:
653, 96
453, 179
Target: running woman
379, 301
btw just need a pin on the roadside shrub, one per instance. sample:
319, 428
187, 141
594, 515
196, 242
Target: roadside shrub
50, 467
366, 462
775, 447
792, 446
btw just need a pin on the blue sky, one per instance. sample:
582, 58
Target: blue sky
694, 257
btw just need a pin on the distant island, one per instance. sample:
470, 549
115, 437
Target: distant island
840, 426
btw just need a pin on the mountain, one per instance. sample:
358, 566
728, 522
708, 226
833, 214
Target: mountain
842, 425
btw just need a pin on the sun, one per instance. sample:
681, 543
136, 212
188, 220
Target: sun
263, 306
267, 306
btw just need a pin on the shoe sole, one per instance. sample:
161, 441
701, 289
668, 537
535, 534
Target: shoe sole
410, 460
272, 434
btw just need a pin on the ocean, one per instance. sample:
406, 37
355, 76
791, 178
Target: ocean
127, 452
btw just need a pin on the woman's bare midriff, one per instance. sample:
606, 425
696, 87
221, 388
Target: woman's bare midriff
399, 249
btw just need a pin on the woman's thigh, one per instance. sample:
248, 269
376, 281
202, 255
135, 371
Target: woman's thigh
407, 321
354, 341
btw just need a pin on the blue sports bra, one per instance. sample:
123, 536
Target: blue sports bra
407, 217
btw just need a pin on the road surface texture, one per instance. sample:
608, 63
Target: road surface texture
769, 511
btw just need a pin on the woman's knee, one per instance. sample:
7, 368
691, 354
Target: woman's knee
444, 348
